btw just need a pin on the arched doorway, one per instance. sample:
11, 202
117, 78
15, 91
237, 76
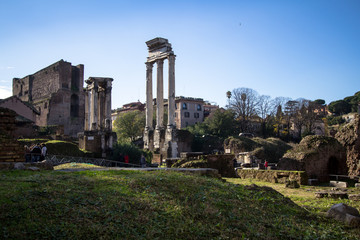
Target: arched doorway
333, 165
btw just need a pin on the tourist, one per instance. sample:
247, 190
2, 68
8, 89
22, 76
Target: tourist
27, 153
143, 161
43, 152
266, 165
35, 153
126, 159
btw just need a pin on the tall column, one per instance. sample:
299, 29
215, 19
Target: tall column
171, 92
108, 103
94, 106
149, 97
159, 95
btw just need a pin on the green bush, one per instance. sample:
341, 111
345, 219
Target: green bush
132, 151
334, 120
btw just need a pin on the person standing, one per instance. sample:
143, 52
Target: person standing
266, 164
143, 161
126, 160
43, 152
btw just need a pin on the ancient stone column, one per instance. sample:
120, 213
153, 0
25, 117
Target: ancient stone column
94, 106
171, 92
108, 103
87, 110
159, 95
149, 97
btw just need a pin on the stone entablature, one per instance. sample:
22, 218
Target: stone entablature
57, 93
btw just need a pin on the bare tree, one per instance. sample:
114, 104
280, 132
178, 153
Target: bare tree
244, 102
265, 110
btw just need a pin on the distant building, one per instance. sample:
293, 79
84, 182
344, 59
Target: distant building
57, 94
188, 111
129, 107
209, 108
25, 116
24, 109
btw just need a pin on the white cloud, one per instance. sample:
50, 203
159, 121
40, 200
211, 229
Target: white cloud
5, 92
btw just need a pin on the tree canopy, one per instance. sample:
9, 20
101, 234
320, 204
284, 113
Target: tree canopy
130, 125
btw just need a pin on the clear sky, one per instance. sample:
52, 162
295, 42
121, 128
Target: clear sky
298, 48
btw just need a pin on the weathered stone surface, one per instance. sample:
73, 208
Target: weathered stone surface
357, 185
33, 168
313, 182
349, 137
352, 221
318, 156
341, 195
292, 184
57, 93
338, 184
19, 166
344, 213
274, 176
321, 194
354, 197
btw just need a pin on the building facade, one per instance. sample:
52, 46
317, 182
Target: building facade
57, 94
188, 111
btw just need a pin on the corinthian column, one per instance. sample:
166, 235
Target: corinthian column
108, 104
159, 95
94, 106
149, 97
171, 92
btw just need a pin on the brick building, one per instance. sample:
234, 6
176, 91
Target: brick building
57, 94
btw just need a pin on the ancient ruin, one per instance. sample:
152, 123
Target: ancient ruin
349, 137
57, 94
98, 135
318, 156
160, 139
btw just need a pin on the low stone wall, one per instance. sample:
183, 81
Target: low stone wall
44, 165
274, 176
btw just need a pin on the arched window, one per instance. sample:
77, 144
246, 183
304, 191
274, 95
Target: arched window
74, 109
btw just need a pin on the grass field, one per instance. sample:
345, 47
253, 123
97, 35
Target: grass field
154, 205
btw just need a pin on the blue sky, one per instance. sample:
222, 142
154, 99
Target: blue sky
307, 48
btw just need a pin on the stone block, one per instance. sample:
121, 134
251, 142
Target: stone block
354, 197
357, 185
338, 184
321, 194
341, 195
313, 182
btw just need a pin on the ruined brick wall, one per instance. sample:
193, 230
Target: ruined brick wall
57, 93
20, 108
10, 150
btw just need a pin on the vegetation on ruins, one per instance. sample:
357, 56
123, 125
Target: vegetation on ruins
157, 205
270, 149
129, 126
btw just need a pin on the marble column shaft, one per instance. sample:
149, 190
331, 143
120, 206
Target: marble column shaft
171, 92
94, 106
149, 97
159, 95
108, 103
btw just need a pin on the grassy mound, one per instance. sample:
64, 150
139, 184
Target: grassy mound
149, 205
271, 149
56, 147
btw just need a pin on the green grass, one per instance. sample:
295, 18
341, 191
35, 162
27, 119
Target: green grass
150, 205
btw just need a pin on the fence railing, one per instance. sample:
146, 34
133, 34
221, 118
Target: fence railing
58, 160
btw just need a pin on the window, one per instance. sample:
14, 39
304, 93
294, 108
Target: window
187, 114
196, 115
198, 107
184, 106
45, 105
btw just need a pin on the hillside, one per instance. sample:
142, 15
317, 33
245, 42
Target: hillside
149, 205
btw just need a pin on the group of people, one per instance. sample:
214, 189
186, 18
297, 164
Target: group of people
35, 153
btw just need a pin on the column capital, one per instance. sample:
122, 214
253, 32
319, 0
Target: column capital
149, 65
160, 62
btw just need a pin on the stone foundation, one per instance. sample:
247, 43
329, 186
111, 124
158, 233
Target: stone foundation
274, 176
